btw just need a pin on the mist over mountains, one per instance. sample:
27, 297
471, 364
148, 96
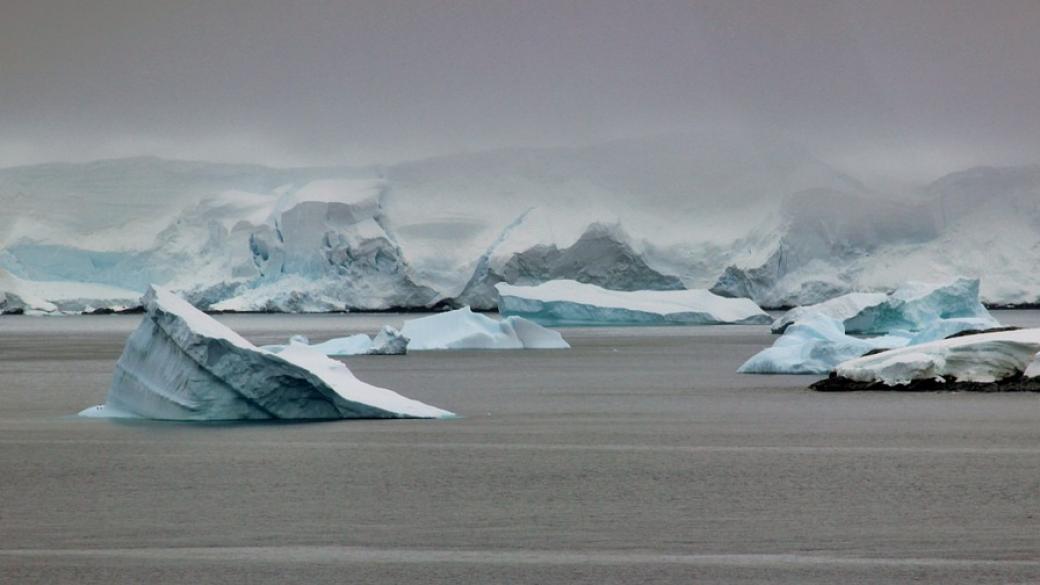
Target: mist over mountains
770, 222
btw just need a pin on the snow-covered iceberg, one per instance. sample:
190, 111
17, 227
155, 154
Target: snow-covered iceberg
815, 346
567, 302
388, 341
464, 329
181, 364
1004, 360
911, 307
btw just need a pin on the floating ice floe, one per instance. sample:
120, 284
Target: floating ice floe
911, 307
181, 364
464, 329
567, 302
1004, 360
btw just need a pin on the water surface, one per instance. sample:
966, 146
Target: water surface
638, 456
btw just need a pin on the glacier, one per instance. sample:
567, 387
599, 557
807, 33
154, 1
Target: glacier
567, 302
743, 217
180, 364
464, 329
59, 298
1003, 360
913, 306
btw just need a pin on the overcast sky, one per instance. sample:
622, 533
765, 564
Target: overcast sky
903, 86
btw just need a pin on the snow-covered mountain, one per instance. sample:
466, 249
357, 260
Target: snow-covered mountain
766, 221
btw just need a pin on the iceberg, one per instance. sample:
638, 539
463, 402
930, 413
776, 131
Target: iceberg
567, 302
815, 346
1003, 360
181, 364
464, 329
911, 307
388, 341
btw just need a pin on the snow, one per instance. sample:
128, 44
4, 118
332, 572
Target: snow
911, 307
464, 329
983, 358
567, 302
181, 364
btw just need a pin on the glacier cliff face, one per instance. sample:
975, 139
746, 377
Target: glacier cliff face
762, 221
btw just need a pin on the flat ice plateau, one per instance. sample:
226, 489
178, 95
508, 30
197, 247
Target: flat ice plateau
566, 302
181, 364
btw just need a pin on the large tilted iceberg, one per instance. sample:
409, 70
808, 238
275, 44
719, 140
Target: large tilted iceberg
464, 329
911, 307
181, 364
567, 302
1004, 360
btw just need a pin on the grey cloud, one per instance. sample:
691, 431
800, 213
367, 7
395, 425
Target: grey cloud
296, 82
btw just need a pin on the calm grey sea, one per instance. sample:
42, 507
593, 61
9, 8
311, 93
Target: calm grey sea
639, 456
